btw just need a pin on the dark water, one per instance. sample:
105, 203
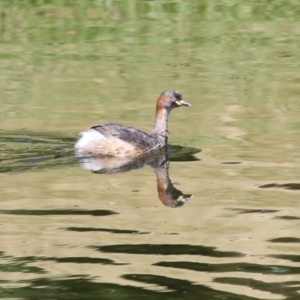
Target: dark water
222, 223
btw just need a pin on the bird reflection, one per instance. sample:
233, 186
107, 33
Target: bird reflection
159, 162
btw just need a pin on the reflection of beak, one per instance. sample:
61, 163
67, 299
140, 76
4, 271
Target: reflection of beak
185, 197
182, 103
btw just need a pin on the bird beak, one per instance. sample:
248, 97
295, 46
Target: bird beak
182, 103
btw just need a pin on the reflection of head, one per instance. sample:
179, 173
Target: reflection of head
167, 193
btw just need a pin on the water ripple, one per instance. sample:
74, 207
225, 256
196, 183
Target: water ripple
231, 267
279, 288
110, 230
167, 249
57, 212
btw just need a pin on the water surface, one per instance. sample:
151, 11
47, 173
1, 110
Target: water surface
69, 233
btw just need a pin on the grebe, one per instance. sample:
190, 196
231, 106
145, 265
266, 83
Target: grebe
124, 141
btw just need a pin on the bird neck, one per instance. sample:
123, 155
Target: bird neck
161, 124
161, 169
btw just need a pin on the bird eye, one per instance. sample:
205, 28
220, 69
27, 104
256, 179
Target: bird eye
178, 96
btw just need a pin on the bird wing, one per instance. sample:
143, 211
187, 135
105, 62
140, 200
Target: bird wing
126, 133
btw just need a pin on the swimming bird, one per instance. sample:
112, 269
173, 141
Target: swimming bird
124, 141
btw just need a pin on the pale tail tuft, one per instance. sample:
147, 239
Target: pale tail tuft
87, 137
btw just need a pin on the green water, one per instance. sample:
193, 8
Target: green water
67, 233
